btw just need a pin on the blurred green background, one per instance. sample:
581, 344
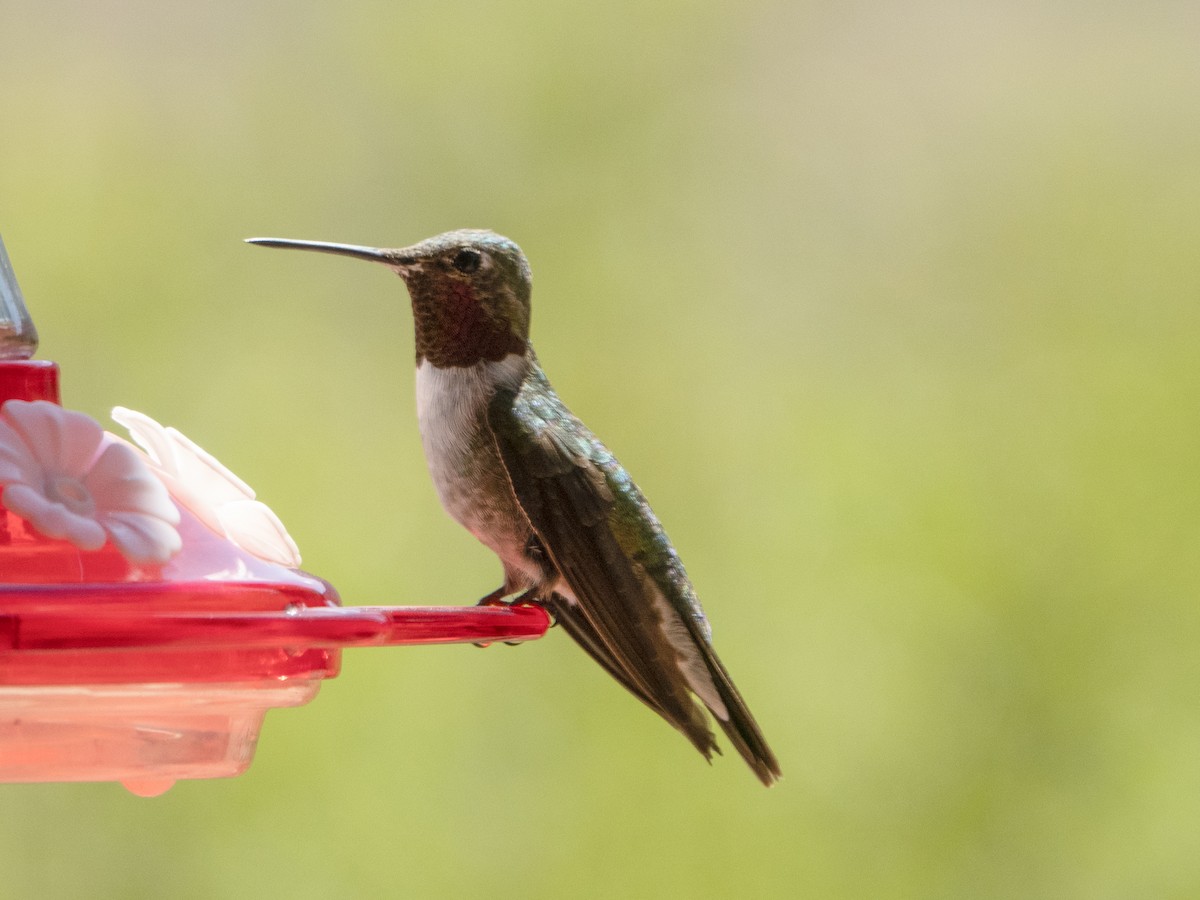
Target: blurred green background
890, 308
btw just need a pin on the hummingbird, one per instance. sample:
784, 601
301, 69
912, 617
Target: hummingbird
520, 472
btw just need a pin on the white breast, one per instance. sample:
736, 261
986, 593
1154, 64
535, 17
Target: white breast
452, 401
451, 411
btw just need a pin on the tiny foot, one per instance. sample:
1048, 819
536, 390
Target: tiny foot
495, 598
499, 597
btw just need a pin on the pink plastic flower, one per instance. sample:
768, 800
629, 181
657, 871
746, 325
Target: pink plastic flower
216, 496
70, 482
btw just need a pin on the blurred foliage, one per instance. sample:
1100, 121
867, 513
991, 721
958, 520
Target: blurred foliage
890, 308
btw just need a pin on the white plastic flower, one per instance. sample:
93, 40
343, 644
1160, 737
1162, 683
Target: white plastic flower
216, 496
70, 482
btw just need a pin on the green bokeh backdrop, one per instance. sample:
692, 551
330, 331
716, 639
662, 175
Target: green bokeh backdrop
890, 308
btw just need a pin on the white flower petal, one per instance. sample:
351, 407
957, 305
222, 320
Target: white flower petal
63, 440
182, 459
53, 519
120, 482
16, 462
142, 539
72, 483
199, 482
254, 527
148, 435
204, 468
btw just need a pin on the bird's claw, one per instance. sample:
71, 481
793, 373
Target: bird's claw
499, 597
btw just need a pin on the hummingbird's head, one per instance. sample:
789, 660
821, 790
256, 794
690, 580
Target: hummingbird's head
470, 297
470, 292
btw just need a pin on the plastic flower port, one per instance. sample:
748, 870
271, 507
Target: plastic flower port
212, 493
70, 482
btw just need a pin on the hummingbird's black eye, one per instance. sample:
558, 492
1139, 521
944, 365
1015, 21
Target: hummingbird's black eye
467, 261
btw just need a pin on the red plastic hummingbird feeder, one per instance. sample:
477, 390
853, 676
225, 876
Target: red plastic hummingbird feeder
151, 609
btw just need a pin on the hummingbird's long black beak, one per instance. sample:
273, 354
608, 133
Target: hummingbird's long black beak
374, 254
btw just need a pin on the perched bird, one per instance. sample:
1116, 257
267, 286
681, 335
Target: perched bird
528, 479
